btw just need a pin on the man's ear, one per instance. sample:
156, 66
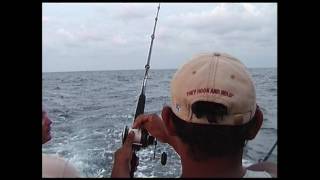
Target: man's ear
254, 129
167, 119
173, 140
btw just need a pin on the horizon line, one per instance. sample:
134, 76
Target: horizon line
134, 69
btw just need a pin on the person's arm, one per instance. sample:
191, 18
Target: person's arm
122, 158
154, 125
269, 167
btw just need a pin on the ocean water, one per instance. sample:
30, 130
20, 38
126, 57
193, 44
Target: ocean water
90, 109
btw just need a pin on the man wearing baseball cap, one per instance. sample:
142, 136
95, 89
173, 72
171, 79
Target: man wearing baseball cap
213, 113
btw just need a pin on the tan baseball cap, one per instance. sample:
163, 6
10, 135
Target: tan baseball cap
214, 77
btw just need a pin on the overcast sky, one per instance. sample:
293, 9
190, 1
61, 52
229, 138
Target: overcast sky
114, 36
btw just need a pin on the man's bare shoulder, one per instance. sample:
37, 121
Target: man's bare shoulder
269, 167
54, 166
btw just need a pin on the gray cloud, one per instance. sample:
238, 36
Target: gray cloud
134, 11
104, 35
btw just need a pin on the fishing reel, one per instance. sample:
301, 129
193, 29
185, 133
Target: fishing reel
143, 139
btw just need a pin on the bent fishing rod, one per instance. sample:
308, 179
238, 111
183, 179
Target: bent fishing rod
142, 137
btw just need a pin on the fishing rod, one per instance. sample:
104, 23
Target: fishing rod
142, 137
269, 153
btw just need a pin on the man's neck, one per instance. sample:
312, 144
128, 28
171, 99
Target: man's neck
214, 167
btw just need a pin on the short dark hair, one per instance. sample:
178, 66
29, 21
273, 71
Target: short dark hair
207, 141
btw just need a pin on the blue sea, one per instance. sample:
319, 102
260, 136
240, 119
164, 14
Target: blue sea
90, 109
